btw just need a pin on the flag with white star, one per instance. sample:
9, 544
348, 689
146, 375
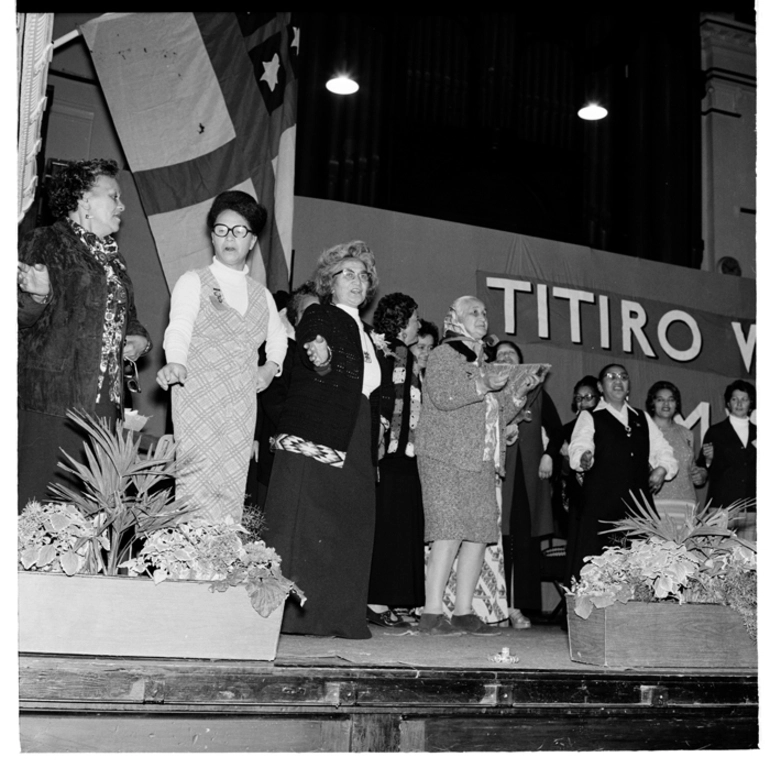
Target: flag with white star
204, 103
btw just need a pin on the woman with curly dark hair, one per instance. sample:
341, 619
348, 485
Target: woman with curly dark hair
77, 321
320, 505
397, 579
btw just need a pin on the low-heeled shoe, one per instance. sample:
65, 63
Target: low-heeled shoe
384, 619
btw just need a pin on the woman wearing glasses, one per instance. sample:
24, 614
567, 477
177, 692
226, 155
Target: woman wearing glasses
664, 402
614, 447
219, 318
320, 506
77, 322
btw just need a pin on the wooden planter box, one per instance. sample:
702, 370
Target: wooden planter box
122, 616
660, 635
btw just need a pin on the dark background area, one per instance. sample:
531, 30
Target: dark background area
472, 118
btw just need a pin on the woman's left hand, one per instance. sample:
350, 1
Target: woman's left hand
657, 476
265, 375
546, 467
134, 347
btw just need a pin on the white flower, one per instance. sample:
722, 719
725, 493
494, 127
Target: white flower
381, 344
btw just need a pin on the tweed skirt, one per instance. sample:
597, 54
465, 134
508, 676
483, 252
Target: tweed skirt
458, 504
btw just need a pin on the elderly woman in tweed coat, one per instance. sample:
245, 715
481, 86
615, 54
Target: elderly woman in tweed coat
466, 404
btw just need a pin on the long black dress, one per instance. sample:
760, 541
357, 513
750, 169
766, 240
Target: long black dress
320, 517
397, 577
527, 510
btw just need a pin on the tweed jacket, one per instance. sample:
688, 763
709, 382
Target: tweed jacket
452, 419
322, 403
60, 342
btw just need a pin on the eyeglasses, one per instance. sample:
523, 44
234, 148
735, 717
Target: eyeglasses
239, 231
131, 376
619, 376
349, 275
584, 398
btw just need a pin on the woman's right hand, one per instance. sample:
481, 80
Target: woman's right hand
586, 461
171, 373
492, 380
34, 279
318, 351
708, 452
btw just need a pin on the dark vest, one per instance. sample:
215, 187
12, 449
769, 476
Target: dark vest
621, 465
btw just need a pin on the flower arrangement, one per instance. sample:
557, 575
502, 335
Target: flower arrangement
222, 553
127, 506
692, 560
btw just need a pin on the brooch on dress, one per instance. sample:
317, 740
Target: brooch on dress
217, 300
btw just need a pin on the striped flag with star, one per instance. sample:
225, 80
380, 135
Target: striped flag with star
204, 103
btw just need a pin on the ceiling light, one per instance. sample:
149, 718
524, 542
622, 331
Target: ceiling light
342, 84
592, 111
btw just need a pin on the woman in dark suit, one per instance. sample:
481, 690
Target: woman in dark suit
729, 453
320, 505
77, 322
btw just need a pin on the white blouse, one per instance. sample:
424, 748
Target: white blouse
185, 303
372, 373
661, 452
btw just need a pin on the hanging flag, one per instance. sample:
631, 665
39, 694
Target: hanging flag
204, 103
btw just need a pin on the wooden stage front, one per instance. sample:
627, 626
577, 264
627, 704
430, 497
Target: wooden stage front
398, 692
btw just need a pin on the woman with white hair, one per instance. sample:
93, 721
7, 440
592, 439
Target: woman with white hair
466, 404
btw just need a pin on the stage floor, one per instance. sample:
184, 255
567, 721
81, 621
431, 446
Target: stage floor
396, 692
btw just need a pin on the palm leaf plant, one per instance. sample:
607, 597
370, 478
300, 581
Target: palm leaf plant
125, 500
120, 492
689, 558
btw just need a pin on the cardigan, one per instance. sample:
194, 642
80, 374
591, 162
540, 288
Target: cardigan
452, 422
322, 404
60, 342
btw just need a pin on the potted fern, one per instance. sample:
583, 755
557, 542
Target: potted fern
683, 593
122, 568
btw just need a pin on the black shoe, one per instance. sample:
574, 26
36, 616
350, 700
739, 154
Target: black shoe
384, 619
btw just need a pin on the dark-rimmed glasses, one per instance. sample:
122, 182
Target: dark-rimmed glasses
239, 231
131, 376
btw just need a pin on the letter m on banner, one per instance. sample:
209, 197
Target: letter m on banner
204, 103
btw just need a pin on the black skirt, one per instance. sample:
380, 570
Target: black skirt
320, 520
398, 561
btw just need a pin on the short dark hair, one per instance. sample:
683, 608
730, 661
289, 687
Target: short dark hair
741, 386
68, 185
306, 289
653, 391
331, 257
241, 203
392, 314
429, 329
587, 381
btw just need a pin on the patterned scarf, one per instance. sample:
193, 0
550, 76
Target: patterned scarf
454, 330
401, 354
105, 252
